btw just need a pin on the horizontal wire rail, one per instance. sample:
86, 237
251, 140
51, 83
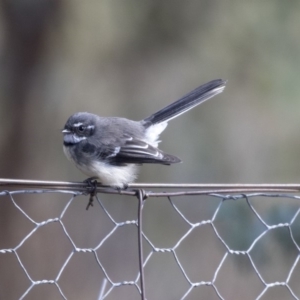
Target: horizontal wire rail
204, 188
142, 191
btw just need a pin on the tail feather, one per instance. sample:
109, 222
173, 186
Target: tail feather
184, 104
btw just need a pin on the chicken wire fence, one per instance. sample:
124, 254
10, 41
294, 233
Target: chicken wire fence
149, 242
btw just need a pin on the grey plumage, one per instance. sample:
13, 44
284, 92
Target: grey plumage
110, 148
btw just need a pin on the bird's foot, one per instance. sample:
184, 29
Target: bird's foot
122, 188
92, 185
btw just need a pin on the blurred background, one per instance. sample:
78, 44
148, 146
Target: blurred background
131, 58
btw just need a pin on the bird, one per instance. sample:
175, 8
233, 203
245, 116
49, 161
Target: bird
111, 149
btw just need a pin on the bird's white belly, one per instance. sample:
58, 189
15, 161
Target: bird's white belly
111, 175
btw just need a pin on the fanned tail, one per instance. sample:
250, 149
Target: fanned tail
189, 101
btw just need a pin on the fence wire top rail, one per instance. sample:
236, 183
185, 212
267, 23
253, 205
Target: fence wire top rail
203, 188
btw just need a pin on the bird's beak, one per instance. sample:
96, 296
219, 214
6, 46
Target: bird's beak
66, 131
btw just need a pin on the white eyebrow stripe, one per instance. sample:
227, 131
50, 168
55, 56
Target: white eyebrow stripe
78, 124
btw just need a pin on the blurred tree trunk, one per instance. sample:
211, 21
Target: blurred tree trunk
26, 25
25, 29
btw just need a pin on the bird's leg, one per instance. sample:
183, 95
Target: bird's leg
92, 183
90, 180
123, 188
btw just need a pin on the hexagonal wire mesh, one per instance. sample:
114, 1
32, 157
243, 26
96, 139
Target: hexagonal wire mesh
198, 242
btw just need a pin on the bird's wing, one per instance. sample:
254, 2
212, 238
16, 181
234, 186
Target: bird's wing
137, 151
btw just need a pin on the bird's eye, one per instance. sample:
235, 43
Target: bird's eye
81, 128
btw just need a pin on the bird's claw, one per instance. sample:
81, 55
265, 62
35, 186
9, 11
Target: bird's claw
92, 186
124, 187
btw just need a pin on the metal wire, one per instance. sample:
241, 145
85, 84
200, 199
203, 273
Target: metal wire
290, 187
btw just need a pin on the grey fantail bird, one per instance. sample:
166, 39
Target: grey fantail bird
112, 148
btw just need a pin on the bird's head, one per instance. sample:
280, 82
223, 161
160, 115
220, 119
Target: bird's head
78, 128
